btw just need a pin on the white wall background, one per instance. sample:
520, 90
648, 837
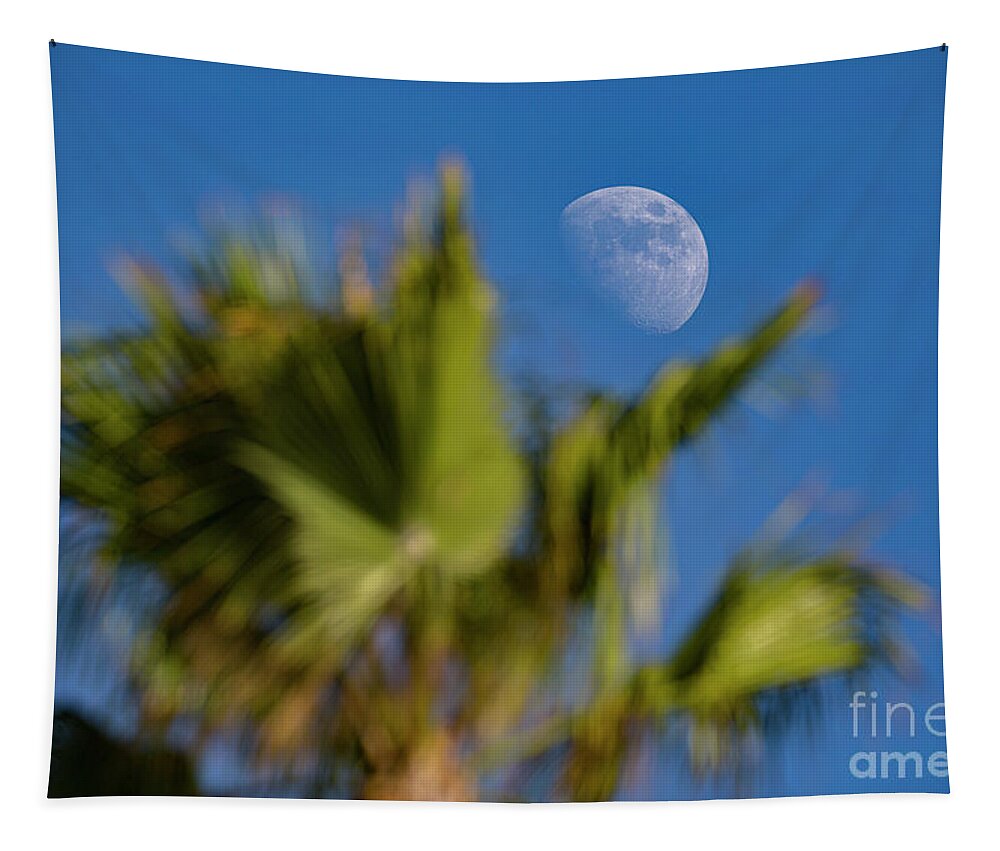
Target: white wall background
501, 40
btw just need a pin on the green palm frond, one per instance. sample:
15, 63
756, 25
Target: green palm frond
287, 470
772, 629
601, 496
606, 458
774, 632
682, 398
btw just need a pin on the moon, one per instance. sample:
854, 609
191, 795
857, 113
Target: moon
642, 247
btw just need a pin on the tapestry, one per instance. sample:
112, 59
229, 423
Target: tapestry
508, 442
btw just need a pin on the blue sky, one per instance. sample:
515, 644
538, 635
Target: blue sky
830, 170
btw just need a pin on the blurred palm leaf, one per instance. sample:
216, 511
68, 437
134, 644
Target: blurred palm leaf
772, 630
274, 460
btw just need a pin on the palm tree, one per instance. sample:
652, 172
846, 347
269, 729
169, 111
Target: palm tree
376, 566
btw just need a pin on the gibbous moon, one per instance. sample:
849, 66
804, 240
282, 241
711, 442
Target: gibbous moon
644, 248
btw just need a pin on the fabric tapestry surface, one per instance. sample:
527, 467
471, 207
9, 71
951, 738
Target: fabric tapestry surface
527, 442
